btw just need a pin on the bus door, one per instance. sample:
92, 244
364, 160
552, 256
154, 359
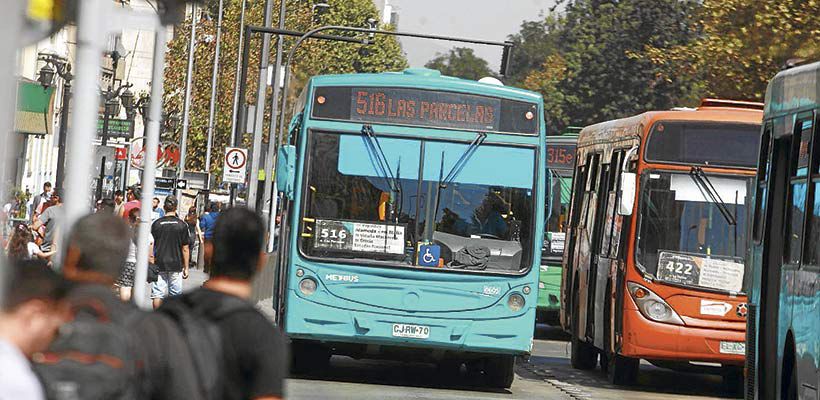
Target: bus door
607, 243
590, 233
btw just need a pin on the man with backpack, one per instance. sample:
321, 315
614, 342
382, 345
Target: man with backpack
221, 324
31, 310
111, 349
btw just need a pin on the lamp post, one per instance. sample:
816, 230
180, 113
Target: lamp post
58, 65
112, 98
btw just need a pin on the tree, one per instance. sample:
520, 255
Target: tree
742, 44
533, 43
599, 71
460, 62
315, 57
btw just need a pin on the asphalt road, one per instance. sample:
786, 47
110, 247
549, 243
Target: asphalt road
546, 376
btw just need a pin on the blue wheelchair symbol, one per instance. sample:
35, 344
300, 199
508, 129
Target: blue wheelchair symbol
429, 255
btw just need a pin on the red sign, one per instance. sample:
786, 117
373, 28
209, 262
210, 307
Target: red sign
121, 153
168, 154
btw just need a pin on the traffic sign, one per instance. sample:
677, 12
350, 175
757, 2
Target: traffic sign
233, 169
164, 183
182, 184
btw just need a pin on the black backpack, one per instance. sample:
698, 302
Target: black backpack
198, 327
95, 356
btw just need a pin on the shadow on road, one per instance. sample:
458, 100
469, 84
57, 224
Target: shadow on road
653, 382
397, 373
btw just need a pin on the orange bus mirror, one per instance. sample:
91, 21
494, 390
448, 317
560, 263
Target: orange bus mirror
627, 195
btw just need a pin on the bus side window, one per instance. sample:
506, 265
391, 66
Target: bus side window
796, 206
763, 168
577, 195
810, 247
591, 189
609, 244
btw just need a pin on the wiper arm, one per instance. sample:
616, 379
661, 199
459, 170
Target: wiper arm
382, 165
443, 181
706, 186
462, 161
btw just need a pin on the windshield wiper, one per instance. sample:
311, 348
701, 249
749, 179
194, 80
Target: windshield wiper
705, 185
443, 181
383, 166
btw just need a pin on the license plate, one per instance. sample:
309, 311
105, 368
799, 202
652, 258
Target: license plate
733, 348
411, 331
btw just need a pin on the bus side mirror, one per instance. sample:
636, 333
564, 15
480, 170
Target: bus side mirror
286, 169
627, 195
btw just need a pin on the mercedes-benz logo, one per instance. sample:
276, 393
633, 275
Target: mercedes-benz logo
741, 310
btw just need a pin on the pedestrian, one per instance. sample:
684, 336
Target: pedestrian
106, 206
171, 253
39, 200
22, 246
194, 234
125, 282
133, 197
32, 311
50, 220
156, 211
206, 224
254, 351
123, 352
119, 202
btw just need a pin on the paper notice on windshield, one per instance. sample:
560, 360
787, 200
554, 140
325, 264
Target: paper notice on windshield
687, 269
557, 240
359, 237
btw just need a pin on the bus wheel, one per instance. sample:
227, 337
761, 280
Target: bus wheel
309, 357
583, 355
733, 381
499, 371
622, 370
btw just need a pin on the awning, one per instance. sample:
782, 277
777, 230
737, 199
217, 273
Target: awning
35, 108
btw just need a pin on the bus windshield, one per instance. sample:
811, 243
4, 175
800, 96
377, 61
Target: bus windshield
559, 184
685, 237
381, 199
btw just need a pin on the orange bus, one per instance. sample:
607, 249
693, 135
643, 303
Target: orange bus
654, 264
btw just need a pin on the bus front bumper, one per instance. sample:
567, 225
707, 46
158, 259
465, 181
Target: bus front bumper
651, 340
323, 323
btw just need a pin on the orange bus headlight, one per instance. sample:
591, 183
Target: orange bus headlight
652, 306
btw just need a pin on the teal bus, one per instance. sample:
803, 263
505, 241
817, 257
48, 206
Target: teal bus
412, 221
783, 340
560, 165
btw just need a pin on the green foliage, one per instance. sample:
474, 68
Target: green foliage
315, 57
460, 62
596, 69
742, 45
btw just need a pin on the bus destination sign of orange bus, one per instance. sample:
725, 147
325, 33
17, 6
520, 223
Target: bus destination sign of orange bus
425, 107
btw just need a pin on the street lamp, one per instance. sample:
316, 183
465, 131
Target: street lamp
57, 65
127, 100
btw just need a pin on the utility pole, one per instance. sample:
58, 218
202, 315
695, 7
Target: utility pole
214, 81
239, 72
253, 165
186, 108
269, 186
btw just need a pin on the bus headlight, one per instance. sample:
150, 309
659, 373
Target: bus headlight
307, 286
516, 302
652, 306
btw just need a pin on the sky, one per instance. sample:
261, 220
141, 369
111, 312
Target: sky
479, 19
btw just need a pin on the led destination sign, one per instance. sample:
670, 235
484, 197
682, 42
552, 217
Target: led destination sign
430, 108
421, 107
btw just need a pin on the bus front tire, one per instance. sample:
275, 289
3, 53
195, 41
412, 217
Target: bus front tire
733, 381
309, 358
622, 371
499, 371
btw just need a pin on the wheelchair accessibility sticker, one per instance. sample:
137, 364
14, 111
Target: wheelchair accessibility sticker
429, 255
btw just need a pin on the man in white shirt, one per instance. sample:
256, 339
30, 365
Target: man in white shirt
31, 313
